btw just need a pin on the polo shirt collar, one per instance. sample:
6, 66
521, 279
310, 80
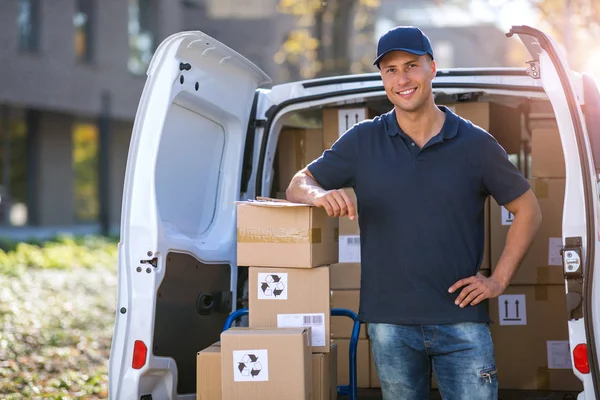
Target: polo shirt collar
449, 129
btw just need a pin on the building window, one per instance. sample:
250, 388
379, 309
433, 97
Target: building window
85, 167
13, 167
29, 25
142, 23
83, 22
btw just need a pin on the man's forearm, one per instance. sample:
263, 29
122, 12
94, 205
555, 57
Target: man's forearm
303, 189
518, 241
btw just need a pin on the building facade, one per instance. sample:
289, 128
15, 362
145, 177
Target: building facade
71, 74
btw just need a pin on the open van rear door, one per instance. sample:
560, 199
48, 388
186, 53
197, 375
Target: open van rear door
580, 205
177, 256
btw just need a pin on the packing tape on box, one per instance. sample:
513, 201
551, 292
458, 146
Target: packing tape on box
541, 189
543, 379
541, 293
279, 235
542, 275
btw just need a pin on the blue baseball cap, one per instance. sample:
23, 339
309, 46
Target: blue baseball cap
403, 38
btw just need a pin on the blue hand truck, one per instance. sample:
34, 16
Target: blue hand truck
343, 390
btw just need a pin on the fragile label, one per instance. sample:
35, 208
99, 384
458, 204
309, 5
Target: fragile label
559, 355
250, 365
347, 118
315, 321
512, 309
554, 248
507, 216
273, 285
349, 249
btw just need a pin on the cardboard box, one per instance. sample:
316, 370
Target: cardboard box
284, 234
345, 276
363, 362
336, 121
543, 262
325, 374
208, 373
547, 158
341, 327
530, 335
266, 364
502, 122
296, 149
289, 297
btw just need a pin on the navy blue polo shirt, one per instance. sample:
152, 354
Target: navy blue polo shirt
421, 213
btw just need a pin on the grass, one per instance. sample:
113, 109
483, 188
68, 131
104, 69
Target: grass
57, 307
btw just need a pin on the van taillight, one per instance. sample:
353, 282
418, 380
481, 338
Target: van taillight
139, 354
580, 359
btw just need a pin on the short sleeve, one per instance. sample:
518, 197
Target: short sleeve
500, 178
336, 168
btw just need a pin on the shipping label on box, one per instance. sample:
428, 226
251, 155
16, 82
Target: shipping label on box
554, 248
349, 251
272, 286
315, 321
512, 309
348, 117
251, 365
559, 354
507, 217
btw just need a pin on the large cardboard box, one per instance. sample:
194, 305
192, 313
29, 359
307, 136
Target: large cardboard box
543, 262
345, 276
341, 327
296, 149
336, 121
530, 337
266, 364
289, 297
363, 362
325, 374
208, 373
547, 158
502, 122
280, 233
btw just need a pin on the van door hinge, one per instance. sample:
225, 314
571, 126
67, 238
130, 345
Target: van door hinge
258, 123
534, 69
573, 272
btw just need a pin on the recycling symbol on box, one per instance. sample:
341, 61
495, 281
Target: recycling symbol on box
249, 365
272, 285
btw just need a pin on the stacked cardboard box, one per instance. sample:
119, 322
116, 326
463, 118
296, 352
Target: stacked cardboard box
530, 325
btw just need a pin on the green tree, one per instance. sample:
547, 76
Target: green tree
328, 37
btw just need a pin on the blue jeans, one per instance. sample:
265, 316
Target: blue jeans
461, 357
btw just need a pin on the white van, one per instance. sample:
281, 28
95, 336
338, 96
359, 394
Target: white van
205, 136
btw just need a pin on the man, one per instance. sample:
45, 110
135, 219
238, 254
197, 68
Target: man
421, 175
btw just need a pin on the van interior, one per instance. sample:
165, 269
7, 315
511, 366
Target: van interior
530, 325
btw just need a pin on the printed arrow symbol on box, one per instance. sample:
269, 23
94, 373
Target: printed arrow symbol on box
347, 118
253, 358
356, 116
264, 286
276, 278
254, 372
517, 307
277, 292
241, 367
505, 308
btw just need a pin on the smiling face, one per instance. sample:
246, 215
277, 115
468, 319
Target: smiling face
407, 79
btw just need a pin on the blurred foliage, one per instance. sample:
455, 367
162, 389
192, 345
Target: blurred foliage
85, 166
56, 330
577, 27
62, 253
328, 38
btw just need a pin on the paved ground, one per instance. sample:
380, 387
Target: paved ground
373, 394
